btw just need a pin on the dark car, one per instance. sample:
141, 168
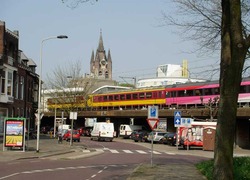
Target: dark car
139, 136
169, 138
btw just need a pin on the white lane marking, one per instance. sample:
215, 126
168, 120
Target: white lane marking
170, 153
141, 152
6, 177
127, 151
99, 150
155, 152
62, 169
85, 151
113, 151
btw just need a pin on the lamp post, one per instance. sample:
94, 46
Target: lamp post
39, 88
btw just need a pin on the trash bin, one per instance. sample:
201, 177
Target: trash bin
209, 138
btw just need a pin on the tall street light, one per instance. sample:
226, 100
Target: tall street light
39, 88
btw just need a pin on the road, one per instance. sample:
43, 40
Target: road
116, 160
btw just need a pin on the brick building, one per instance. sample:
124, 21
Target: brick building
18, 79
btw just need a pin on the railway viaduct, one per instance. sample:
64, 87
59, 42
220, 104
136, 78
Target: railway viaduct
242, 132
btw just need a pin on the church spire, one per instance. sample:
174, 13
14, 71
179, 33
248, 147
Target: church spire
100, 46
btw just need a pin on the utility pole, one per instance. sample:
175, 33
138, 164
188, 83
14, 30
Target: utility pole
134, 78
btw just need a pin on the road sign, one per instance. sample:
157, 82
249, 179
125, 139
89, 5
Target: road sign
73, 115
152, 123
41, 116
152, 112
177, 118
186, 122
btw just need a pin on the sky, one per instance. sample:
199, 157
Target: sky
131, 30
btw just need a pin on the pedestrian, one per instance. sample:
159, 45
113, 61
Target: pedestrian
60, 138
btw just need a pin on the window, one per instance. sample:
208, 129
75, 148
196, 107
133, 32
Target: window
3, 84
189, 93
160, 94
111, 98
10, 83
198, 92
21, 87
116, 97
141, 95
149, 95
105, 98
208, 91
122, 97
244, 89
17, 86
135, 96
128, 96
216, 91
182, 93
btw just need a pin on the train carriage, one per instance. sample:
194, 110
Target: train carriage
130, 99
197, 94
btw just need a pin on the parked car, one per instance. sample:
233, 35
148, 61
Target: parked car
169, 138
156, 136
126, 130
76, 135
81, 130
139, 135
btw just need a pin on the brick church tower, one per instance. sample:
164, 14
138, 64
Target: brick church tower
100, 64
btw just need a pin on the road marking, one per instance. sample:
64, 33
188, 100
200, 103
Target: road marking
99, 150
155, 152
114, 151
63, 169
85, 151
141, 152
170, 153
127, 151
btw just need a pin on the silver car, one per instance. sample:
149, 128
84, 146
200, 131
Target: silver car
156, 135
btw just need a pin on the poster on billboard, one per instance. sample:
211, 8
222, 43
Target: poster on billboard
14, 132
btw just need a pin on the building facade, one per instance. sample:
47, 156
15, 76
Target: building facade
18, 80
100, 63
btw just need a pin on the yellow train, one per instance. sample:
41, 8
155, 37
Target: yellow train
129, 99
122, 99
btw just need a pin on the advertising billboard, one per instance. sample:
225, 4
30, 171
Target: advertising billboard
14, 132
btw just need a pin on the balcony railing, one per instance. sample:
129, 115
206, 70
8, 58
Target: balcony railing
10, 60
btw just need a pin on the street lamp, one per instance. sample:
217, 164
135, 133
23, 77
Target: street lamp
39, 88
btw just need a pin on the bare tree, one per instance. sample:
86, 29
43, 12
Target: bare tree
69, 87
74, 3
220, 26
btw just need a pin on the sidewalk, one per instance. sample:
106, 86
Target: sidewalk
49, 147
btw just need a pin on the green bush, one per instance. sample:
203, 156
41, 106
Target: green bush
241, 167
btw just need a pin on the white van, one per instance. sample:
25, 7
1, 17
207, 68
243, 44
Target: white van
103, 131
126, 130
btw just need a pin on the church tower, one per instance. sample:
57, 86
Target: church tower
100, 64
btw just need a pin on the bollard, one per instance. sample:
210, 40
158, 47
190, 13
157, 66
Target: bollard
50, 134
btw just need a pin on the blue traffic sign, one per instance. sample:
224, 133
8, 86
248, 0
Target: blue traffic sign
177, 118
177, 114
153, 112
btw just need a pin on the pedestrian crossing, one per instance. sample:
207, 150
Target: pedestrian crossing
126, 151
